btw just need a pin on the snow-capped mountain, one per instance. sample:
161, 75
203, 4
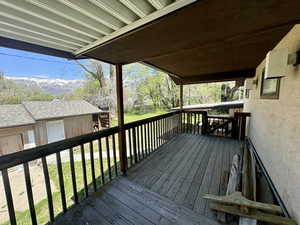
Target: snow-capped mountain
53, 86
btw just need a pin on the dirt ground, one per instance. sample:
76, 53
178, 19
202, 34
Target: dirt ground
17, 182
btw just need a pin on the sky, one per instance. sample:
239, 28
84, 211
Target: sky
19, 63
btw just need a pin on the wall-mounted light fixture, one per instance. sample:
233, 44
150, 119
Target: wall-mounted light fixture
277, 61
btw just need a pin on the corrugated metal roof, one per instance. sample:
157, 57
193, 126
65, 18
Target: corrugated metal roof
14, 115
76, 26
41, 110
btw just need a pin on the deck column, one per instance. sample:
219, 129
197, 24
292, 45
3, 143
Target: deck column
120, 109
181, 97
181, 107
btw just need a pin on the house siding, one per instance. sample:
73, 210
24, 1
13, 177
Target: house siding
274, 128
11, 139
78, 125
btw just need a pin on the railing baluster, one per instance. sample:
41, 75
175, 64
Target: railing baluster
9, 199
145, 138
84, 171
134, 145
29, 193
101, 161
48, 189
72, 168
155, 134
108, 158
195, 123
142, 141
61, 182
93, 166
114, 154
130, 147
138, 142
148, 137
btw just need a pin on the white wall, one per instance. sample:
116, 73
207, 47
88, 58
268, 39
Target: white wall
274, 128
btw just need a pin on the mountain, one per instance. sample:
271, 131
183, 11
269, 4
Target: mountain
53, 86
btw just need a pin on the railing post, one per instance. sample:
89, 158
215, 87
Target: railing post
204, 122
181, 107
120, 109
240, 119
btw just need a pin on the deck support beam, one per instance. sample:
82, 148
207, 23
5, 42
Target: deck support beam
120, 110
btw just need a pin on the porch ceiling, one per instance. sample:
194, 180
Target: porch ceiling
194, 41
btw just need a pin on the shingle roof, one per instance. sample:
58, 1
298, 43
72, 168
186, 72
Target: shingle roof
41, 110
14, 115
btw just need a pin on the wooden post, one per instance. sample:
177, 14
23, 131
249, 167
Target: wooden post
181, 107
204, 122
120, 109
239, 126
181, 97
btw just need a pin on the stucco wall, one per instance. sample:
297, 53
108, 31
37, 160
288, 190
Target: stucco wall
274, 128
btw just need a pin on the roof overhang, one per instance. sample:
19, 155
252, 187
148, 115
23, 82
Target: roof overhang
193, 41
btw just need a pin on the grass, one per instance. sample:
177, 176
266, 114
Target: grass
130, 117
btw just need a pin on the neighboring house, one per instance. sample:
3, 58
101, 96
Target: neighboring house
40, 122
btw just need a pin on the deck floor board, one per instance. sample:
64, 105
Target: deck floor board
163, 189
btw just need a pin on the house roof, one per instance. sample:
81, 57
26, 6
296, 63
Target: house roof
194, 41
14, 115
41, 110
215, 105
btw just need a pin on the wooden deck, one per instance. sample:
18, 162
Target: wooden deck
165, 188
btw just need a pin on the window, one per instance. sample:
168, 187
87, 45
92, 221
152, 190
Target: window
269, 87
55, 130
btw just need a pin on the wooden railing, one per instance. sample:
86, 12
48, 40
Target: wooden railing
95, 152
198, 121
98, 156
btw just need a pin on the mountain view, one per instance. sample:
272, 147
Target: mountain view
52, 86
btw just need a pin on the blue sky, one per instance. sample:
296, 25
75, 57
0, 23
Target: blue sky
26, 64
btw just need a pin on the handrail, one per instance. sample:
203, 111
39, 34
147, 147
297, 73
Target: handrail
150, 119
16, 158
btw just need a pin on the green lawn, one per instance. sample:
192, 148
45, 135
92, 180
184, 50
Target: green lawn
130, 117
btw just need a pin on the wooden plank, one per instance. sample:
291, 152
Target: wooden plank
29, 194
163, 205
8, 195
84, 175
139, 207
48, 189
101, 161
120, 111
73, 175
122, 209
199, 162
236, 198
189, 169
108, 158
216, 175
93, 166
61, 182
199, 203
253, 214
182, 169
114, 154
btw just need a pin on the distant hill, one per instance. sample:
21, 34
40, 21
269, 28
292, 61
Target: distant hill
52, 86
